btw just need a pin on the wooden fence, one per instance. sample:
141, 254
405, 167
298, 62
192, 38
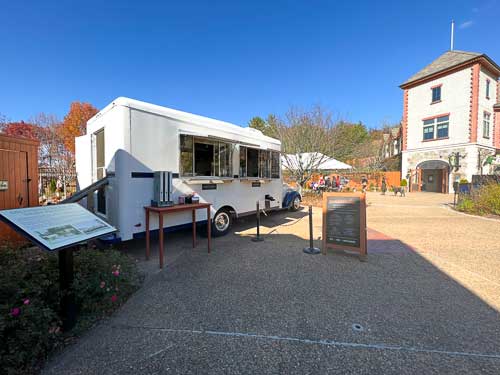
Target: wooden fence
393, 178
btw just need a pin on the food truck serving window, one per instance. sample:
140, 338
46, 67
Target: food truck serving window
259, 163
205, 157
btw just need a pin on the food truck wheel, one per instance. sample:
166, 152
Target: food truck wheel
222, 223
295, 204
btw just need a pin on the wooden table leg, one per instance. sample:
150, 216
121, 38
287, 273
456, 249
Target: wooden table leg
160, 229
194, 227
147, 234
209, 228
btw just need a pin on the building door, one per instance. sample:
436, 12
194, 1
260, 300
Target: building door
99, 168
14, 187
433, 176
14, 182
444, 180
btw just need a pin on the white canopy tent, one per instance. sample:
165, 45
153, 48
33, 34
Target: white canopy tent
312, 160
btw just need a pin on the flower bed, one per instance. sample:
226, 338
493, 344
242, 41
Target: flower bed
29, 300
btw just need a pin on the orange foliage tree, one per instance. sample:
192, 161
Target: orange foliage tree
21, 129
74, 123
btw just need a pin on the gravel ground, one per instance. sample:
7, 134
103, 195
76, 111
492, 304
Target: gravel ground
269, 308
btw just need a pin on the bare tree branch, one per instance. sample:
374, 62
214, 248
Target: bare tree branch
306, 141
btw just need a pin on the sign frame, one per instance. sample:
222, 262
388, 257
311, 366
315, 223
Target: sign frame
25, 233
362, 248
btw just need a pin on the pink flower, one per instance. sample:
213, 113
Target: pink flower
26, 301
103, 284
15, 312
54, 329
116, 273
114, 297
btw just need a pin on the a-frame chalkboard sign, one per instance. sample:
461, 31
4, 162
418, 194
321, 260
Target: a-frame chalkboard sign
344, 223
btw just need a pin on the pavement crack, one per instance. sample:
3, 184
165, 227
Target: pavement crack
307, 341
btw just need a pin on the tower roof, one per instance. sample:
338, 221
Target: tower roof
447, 61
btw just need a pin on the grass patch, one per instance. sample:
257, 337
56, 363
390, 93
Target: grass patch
30, 324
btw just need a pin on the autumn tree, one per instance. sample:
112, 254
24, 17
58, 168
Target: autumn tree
21, 129
74, 123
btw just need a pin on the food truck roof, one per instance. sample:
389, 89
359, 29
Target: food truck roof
186, 117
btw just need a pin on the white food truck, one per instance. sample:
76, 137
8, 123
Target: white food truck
224, 164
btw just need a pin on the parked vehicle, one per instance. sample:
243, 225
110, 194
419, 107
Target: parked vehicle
224, 164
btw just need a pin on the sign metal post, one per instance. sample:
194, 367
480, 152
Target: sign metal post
258, 238
311, 249
66, 277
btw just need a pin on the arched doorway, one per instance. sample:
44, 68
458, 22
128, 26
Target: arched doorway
433, 176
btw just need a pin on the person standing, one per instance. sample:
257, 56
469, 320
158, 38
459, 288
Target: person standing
364, 183
384, 185
59, 186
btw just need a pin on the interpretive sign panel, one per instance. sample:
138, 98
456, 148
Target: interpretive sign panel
344, 222
58, 226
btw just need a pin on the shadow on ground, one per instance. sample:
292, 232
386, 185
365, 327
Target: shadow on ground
269, 308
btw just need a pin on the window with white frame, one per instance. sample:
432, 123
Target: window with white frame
259, 163
428, 130
205, 157
488, 89
436, 94
436, 128
486, 124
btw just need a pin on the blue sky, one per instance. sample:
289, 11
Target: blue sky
230, 60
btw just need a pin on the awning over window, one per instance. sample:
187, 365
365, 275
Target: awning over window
220, 139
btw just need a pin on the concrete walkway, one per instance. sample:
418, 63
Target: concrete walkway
424, 303
465, 247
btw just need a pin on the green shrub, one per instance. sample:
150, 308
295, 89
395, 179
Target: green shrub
52, 186
104, 279
29, 324
404, 182
466, 204
29, 300
487, 199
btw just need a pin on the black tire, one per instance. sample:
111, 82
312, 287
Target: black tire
222, 223
295, 205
